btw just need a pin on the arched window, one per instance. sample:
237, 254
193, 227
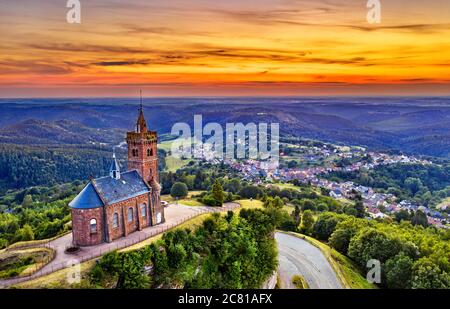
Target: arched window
136, 153
130, 214
149, 152
144, 210
93, 225
116, 220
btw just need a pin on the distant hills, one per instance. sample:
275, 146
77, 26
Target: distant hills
412, 125
36, 132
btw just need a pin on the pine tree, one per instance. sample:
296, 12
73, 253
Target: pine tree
217, 192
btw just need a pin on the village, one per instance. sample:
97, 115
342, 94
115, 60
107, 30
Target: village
378, 205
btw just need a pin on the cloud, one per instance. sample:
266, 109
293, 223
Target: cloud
33, 67
68, 47
417, 28
121, 63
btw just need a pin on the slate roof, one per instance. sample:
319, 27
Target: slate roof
111, 190
86, 199
114, 165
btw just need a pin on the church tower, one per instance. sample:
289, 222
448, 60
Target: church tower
142, 149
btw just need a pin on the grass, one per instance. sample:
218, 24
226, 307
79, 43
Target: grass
286, 186
346, 269
166, 145
141, 244
19, 263
190, 202
443, 203
250, 204
299, 282
58, 279
31, 243
191, 194
173, 164
278, 284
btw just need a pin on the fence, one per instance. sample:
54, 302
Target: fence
33, 243
118, 244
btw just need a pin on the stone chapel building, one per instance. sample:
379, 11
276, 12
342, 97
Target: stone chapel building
119, 204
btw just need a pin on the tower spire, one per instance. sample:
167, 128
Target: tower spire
114, 171
141, 124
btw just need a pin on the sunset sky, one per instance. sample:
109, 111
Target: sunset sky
217, 48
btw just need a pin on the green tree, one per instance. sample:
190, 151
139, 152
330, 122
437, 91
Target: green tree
217, 192
322, 207
308, 205
27, 201
360, 209
179, 190
399, 272
250, 192
373, 244
234, 185
307, 222
325, 225
278, 202
24, 234
268, 202
344, 232
427, 275
420, 218
296, 215
402, 215
413, 184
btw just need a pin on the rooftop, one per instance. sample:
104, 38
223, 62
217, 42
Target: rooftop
111, 190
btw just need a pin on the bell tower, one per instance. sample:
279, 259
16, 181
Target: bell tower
142, 149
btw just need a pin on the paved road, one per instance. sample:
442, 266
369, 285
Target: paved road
298, 257
174, 214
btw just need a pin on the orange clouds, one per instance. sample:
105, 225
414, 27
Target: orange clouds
234, 48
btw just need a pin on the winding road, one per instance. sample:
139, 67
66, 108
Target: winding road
298, 257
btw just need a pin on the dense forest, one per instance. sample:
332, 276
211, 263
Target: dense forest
410, 256
231, 251
26, 166
33, 204
424, 184
36, 213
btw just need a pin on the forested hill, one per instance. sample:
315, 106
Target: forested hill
24, 166
50, 141
412, 125
425, 184
39, 132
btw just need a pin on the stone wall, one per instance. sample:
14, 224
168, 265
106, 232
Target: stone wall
126, 227
81, 228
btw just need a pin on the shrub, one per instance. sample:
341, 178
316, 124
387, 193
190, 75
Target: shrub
179, 190
325, 225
